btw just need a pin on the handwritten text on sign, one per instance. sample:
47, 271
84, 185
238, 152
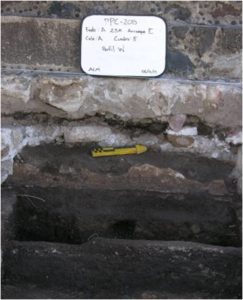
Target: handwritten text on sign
123, 45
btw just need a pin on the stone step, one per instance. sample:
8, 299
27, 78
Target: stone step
191, 50
126, 269
79, 97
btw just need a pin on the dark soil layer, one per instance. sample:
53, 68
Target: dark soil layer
73, 216
127, 269
50, 157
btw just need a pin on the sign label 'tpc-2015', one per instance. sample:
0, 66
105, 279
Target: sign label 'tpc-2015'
113, 45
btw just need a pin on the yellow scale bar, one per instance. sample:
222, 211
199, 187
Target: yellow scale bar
118, 151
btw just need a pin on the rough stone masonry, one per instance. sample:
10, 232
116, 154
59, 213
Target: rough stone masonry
190, 118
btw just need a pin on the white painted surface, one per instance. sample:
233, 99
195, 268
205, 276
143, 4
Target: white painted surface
114, 45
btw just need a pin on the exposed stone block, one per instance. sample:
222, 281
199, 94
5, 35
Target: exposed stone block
180, 141
193, 52
14, 138
205, 52
115, 268
99, 134
53, 43
196, 12
17, 87
75, 97
176, 122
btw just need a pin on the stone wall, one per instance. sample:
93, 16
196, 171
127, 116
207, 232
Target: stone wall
165, 224
195, 106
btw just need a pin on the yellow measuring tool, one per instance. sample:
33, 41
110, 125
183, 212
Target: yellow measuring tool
109, 151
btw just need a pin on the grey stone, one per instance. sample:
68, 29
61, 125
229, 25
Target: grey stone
180, 141
205, 52
18, 87
14, 138
179, 63
215, 103
172, 267
229, 40
235, 137
174, 12
99, 134
54, 43
6, 169
198, 54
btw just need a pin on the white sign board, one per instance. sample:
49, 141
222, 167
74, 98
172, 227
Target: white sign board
115, 45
